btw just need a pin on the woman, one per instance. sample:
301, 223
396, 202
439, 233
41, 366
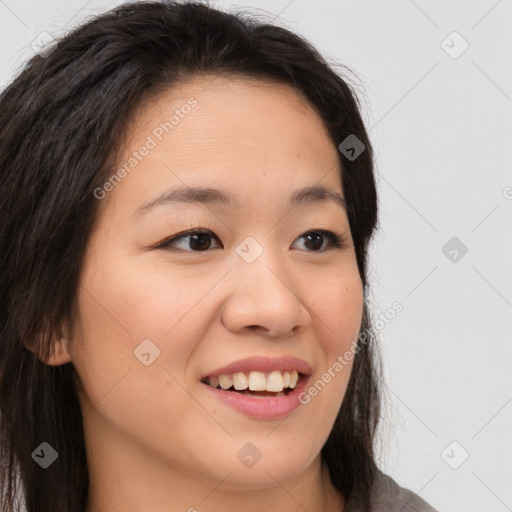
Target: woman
188, 198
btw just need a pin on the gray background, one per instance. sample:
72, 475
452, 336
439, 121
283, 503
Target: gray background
441, 127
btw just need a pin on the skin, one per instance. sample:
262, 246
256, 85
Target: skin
155, 439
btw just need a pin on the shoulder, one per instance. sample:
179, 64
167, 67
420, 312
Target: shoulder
388, 496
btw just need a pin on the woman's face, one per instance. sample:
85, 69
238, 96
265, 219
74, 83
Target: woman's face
155, 319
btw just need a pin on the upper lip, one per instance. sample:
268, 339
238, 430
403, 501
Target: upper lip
263, 364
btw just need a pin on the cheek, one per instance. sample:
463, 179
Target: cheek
338, 309
338, 312
121, 307
114, 381
148, 300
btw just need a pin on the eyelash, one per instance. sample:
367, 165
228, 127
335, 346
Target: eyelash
336, 241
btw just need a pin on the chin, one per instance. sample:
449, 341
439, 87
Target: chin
261, 476
267, 466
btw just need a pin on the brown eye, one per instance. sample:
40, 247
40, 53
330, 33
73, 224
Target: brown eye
314, 240
198, 240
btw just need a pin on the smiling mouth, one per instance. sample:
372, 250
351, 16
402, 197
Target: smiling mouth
257, 384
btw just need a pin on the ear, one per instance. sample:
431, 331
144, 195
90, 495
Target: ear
59, 351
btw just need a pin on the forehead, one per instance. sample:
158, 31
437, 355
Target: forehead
223, 110
250, 135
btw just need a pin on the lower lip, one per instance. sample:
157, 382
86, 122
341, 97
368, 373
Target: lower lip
261, 408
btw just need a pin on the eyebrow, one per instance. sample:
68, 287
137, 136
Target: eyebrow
312, 195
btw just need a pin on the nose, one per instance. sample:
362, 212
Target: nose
265, 298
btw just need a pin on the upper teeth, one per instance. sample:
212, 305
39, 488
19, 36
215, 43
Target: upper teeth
257, 381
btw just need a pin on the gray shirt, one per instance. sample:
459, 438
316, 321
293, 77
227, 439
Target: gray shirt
388, 496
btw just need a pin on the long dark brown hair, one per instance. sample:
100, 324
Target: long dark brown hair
62, 120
